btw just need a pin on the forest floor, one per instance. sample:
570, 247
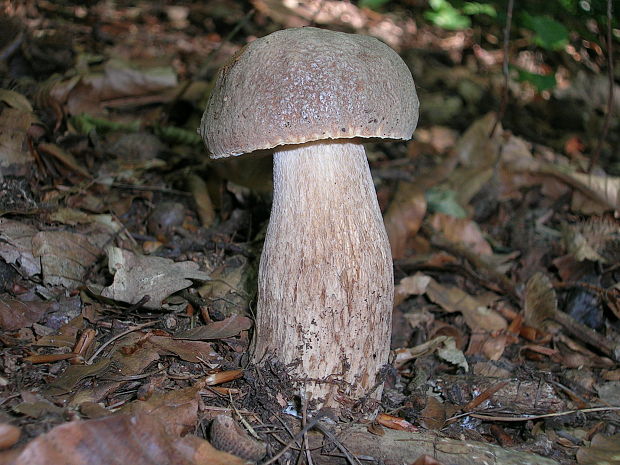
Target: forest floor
128, 259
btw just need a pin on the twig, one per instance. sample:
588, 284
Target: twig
532, 417
248, 427
314, 422
505, 70
118, 336
304, 419
352, 459
610, 95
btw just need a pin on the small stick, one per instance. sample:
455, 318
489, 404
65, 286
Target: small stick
610, 95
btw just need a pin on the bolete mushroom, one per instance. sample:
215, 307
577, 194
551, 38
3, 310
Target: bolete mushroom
325, 284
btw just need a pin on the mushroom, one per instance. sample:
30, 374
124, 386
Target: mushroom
325, 283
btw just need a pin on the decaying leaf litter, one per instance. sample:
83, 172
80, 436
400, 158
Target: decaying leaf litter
129, 260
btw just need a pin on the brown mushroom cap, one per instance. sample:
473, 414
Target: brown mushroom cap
306, 84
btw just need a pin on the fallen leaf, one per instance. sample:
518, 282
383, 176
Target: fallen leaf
36, 406
433, 416
405, 355
92, 92
461, 231
64, 157
119, 440
411, 285
540, 301
16, 246
475, 310
231, 286
204, 205
65, 257
15, 314
451, 354
15, 100
137, 276
177, 409
228, 327
190, 351
129, 357
404, 216
65, 336
15, 158
74, 374
493, 347
392, 422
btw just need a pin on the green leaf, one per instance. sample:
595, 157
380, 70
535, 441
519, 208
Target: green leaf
444, 201
540, 81
448, 18
372, 4
550, 34
476, 8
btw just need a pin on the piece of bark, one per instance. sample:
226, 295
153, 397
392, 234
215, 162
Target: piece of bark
398, 447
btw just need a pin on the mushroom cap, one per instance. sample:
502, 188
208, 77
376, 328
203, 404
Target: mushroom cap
306, 84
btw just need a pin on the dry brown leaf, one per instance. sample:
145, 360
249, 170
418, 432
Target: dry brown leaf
65, 336
91, 93
603, 191
392, 422
15, 158
16, 246
74, 374
228, 327
36, 406
475, 310
15, 100
231, 286
445, 329
493, 347
540, 301
119, 440
137, 276
66, 158
477, 153
404, 216
433, 416
461, 231
203, 202
440, 138
177, 409
130, 356
411, 285
65, 256
190, 351
107, 224
451, 354
16, 314
405, 355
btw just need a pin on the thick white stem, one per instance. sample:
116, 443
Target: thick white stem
325, 281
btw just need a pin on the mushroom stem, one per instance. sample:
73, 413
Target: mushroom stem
325, 285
